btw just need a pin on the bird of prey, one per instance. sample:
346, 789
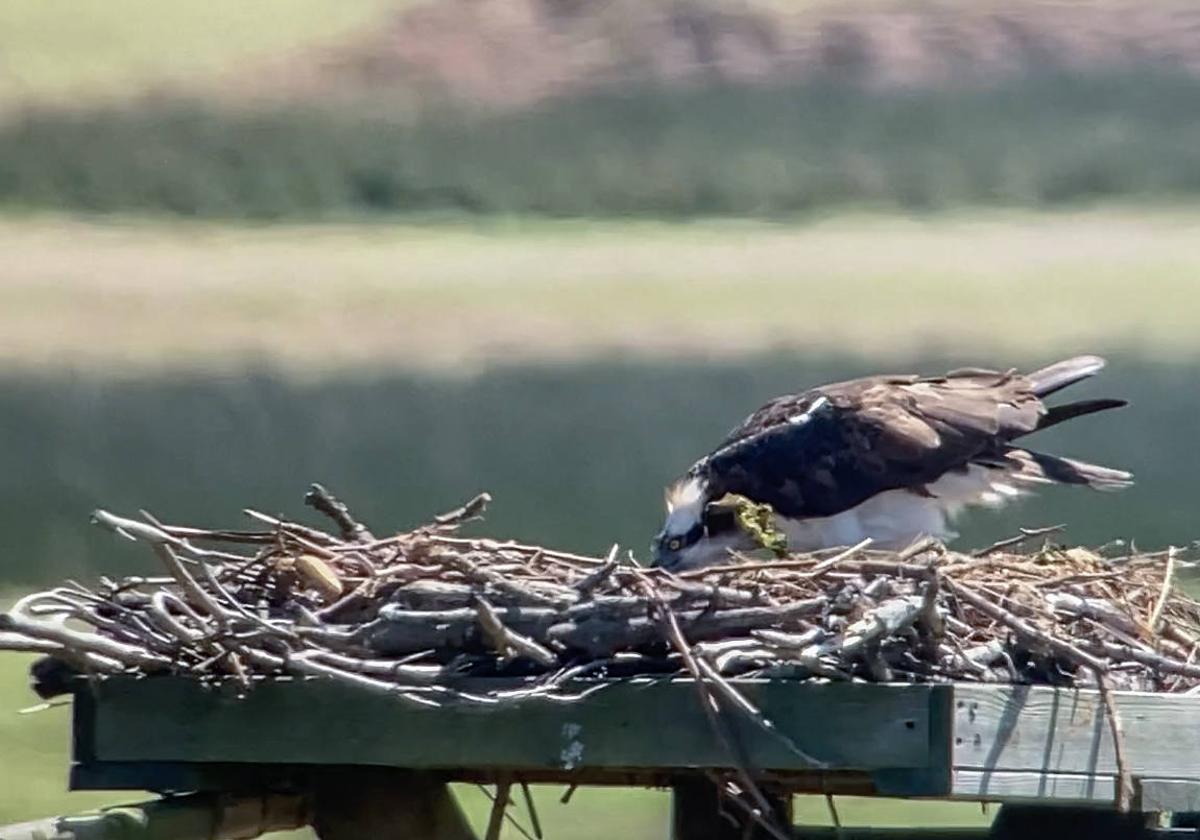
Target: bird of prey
890, 458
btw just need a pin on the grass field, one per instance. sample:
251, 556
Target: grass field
54, 51
130, 296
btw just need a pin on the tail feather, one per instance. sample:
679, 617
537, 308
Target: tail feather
1061, 413
1059, 375
1036, 467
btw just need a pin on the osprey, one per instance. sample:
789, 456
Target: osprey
892, 458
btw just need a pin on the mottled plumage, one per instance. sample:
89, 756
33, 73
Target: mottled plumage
890, 457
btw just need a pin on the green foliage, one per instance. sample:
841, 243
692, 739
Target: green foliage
761, 151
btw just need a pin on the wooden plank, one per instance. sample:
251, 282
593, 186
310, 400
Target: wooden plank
1170, 795
194, 817
175, 777
934, 778
630, 724
1048, 730
1017, 786
699, 812
1017, 821
382, 803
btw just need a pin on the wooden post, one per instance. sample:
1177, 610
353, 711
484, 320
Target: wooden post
386, 804
199, 816
697, 813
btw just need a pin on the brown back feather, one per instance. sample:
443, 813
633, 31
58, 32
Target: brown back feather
869, 435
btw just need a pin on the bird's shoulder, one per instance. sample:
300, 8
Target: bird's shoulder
915, 409
838, 399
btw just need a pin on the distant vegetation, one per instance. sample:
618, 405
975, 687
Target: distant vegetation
760, 151
650, 108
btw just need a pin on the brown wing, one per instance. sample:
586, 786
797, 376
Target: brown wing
828, 449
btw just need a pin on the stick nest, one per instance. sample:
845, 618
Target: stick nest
426, 613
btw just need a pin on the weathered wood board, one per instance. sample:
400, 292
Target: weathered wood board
1023, 742
977, 742
1023, 728
638, 723
1018, 786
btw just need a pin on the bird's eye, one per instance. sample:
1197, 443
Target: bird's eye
674, 544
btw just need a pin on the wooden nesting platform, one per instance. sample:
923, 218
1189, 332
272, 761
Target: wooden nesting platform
1009, 744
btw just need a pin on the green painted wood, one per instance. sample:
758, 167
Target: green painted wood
630, 724
1048, 730
932, 779
175, 777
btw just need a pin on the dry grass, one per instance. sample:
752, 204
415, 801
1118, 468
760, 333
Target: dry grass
137, 296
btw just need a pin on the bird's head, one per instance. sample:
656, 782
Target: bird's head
698, 531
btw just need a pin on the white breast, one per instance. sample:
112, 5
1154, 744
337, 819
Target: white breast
895, 518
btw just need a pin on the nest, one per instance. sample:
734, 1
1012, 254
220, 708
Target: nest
424, 613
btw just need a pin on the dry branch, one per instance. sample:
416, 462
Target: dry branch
420, 611
418, 614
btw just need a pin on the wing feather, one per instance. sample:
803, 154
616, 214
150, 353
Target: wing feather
831, 448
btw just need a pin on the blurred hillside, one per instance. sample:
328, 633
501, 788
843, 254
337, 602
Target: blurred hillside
519, 52
615, 107
69, 53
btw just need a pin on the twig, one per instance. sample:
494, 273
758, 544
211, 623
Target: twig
325, 502
711, 710
808, 563
834, 817
825, 565
427, 612
1026, 534
508, 816
752, 712
593, 579
471, 510
1065, 649
498, 812
1124, 779
503, 638
1162, 595
531, 809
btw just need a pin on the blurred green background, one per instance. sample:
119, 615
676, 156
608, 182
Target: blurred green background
554, 249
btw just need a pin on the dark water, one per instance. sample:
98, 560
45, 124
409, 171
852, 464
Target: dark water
575, 456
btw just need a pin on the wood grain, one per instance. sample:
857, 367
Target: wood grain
1010, 786
1048, 730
